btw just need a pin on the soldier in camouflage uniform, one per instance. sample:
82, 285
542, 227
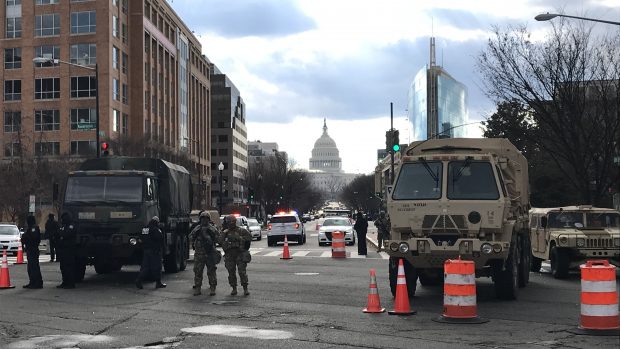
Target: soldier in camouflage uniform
203, 239
383, 229
236, 244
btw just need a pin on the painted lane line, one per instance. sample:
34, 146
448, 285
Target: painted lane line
301, 253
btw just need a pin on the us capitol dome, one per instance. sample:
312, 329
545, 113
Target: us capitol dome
325, 154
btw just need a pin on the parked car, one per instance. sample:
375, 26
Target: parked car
285, 224
9, 237
332, 224
255, 229
306, 218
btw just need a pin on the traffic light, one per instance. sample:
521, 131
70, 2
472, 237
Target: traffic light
395, 141
392, 141
250, 194
388, 140
105, 149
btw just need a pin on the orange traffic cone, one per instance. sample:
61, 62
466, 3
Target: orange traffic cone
286, 254
374, 302
20, 254
5, 279
401, 303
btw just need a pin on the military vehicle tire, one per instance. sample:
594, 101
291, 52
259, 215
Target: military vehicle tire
184, 252
525, 262
426, 280
507, 280
103, 268
410, 275
172, 262
559, 262
536, 264
80, 270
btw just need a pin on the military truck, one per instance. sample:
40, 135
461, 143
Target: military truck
460, 198
568, 236
112, 199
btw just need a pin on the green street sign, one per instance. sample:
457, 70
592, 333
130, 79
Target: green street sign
86, 126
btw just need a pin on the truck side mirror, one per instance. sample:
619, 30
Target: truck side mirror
389, 189
543, 222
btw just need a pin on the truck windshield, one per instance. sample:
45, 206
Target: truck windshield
419, 181
100, 188
468, 180
603, 220
565, 219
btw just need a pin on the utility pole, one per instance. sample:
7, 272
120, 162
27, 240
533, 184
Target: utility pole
392, 151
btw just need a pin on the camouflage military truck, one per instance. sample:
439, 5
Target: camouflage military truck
464, 198
568, 236
112, 199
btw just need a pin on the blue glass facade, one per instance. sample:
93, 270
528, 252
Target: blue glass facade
437, 105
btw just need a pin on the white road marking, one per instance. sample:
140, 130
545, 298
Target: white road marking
300, 253
239, 331
314, 235
326, 254
306, 274
273, 254
59, 341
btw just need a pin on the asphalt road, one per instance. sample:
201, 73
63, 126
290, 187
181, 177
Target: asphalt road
311, 301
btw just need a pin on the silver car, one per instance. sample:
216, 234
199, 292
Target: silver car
285, 224
9, 237
332, 224
255, 229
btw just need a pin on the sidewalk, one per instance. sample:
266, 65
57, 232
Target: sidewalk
371, 235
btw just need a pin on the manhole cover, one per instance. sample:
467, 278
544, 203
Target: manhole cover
224, 302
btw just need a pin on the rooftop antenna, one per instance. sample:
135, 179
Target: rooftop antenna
433, 60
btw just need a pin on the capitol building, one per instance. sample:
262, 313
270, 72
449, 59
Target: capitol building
326, 166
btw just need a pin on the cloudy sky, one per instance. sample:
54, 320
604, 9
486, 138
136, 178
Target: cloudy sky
299, 61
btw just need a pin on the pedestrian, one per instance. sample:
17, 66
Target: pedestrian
152, 241
203, 239
383, 229
236, 244
361, 228
51, 230
66, 248
30, 240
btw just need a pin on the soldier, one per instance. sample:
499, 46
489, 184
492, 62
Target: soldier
383, 229
51, 229
236, 244
203, 239
152, 240
361, 228
66, 249
31, 240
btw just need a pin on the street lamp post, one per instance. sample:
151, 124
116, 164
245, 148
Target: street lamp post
41, 60
221, 168
548, 16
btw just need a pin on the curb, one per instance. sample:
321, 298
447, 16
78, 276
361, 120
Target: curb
372, 241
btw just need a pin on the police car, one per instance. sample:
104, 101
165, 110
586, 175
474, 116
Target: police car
285, 224
9, 237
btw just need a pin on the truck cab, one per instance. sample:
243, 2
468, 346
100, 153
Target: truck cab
569, 236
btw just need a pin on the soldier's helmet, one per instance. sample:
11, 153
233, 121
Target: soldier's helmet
205, 215
230, 221
155, 218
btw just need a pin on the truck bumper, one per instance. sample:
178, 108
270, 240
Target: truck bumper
424, 253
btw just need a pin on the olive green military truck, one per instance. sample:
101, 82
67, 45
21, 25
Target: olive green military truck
112, 199
568, 236
460, 198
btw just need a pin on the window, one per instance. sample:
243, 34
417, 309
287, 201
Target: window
13, 28
47, 24
13, 58
125, 124
83, 117
46, 120
46, 51
46, 148
13, 2
124, 63
125, 93
46, 2
116, 90
46, 88
124, 6
83, 86
115, 26
12, 90
223, 152
124, 32
83, 148
116, 118
469, 180
12, 121
83, 22
12, 150
115, 57
419, 181
84, 54
115, 3
222, 138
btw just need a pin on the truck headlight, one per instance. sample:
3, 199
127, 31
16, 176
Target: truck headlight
617, 242
394, 246
403, 247
497, 248
486, 248
581, 242
133, 241
563, 240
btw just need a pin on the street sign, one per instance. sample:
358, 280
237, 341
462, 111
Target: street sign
31, 207
86, 126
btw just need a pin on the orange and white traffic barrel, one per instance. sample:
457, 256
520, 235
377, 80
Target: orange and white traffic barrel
338, 249
459, 293
599, 300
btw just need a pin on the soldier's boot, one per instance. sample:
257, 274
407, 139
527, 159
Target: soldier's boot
197, 290
245, 290
234, 291
212, 291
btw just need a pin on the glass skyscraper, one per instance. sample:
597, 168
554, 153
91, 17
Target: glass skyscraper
437, 103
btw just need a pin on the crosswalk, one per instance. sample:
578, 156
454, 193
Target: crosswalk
42, 258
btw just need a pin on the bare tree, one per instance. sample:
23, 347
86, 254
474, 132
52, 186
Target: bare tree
571, 83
